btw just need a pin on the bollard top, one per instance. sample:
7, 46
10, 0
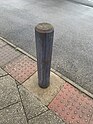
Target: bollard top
44, 28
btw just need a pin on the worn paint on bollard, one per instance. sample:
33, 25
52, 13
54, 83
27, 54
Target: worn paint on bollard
44, 33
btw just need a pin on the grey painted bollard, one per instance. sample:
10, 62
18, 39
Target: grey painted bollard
44, 33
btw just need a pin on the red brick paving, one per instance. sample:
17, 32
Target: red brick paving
21, 68
91, 120
7, 54
2, 43
72, 106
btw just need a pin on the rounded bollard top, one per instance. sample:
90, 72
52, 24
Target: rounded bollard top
44, 28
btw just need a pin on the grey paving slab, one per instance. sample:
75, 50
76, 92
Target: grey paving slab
8, 91
13, 115
2, 43
7, 53
46, 118
32, 105
45, 95
2, 72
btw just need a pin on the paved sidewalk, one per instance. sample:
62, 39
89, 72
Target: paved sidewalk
22, 101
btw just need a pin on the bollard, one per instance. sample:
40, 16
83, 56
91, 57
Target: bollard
44, 33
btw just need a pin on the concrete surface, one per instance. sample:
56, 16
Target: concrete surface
45, 95
13, 115
2, 72
8, 92
73, 47
46, 118
33, 107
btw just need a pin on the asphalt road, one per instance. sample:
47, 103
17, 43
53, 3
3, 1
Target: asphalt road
73, 42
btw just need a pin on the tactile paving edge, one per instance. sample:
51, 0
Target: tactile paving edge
54, 71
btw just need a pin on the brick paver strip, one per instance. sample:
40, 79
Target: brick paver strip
21, 68
91, 120
7, 54
72, 106
2, 43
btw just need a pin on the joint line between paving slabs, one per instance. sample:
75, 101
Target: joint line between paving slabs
10, 61
58, 116
38, 114
8, 43
54, 98
72, 83
11, 77
32, 93
17, 83
3, 46
28, 77
4, 75
10, 105
22, 103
